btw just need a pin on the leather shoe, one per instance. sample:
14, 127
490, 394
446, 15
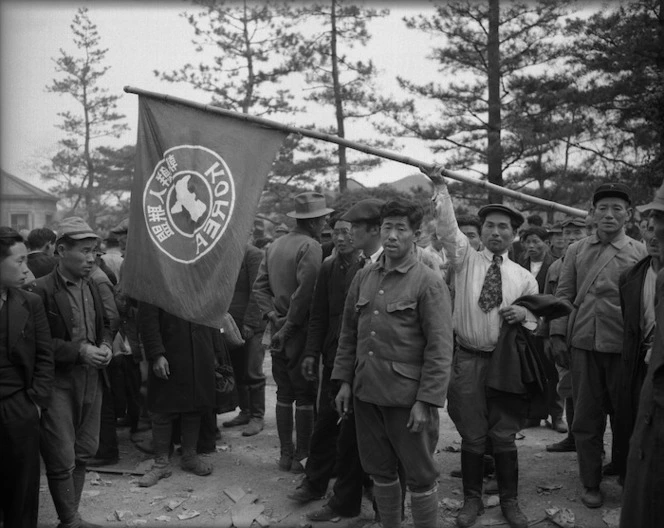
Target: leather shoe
558, 425
303, 494
471, 509
240, 419
325, 514
592, 498
564, 446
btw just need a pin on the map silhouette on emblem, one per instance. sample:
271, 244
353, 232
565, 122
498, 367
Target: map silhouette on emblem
184, 198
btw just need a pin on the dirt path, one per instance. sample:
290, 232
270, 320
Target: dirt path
250, 464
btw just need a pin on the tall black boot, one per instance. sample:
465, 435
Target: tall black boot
566, 445
191, 461
304, 426
78, 476
284, 417
64, 500
472, 470
507, 473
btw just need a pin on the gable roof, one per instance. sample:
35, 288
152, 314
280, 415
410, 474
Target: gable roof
14, 187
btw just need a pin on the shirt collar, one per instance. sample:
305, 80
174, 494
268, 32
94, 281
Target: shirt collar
619, 242
69, 282
408, 263
489, 255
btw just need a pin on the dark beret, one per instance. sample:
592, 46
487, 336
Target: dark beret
364, 211
515, 215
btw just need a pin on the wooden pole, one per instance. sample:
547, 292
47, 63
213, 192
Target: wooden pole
360, 147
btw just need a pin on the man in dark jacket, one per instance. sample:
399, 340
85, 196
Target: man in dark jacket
322, 340
82, 346
644, 481
41, 245
26, 378
248, 359
537, 259
637, 300
283, 289
181, 383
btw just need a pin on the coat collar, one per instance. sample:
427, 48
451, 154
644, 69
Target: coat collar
619, 242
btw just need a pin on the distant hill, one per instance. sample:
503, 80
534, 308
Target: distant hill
412, 182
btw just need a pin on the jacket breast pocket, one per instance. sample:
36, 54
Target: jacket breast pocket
404, 308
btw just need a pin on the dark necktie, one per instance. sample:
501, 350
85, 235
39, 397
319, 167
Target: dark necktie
364, 261
492, 290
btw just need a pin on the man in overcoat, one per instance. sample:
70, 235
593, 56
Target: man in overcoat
181, 384
26, 378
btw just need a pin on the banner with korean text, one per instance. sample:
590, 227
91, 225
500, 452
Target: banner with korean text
197, 182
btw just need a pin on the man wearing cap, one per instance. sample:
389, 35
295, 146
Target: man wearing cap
280, 230
594, 332
637, 300
487, 282
642, 503
537, 259
573, 229
333, 444
557, 244
82, 340
116, 244
283, 290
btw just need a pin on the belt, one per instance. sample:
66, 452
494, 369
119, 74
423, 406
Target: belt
475, 352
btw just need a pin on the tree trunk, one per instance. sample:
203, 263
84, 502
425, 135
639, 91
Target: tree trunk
90, 169
248, 96
338, 102
494, 149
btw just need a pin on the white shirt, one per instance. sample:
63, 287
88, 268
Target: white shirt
535, 267
475, 328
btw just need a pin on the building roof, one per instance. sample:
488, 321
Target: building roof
14, 187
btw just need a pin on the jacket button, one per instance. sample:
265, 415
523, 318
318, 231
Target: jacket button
373, 333
371, 352
375, 312
381, 292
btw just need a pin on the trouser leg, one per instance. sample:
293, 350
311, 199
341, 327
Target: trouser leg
347, 492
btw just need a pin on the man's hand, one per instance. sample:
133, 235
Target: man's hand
247, 332
277, 322
282, 335
513, 314
435, 174
419, 417
309, 368
108, 350
560, 351
93, 356
160, 367
342, 401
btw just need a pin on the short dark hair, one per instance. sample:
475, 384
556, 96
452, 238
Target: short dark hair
8, 237
535, 220
540, 232
410, 210
470, 220
39, 237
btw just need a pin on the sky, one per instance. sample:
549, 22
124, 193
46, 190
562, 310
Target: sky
142, 37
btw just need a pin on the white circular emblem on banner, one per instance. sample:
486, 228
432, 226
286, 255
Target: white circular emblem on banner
188, 202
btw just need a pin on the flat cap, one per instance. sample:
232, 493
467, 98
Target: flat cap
504, 209
364, 210
75, 228
612, 190
122, 228
281, 228
555, 228
574, 221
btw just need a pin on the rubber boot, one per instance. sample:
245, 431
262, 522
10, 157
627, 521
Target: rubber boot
64, 500
256, 410
388, 500
243, 400
507, 473
472, 469
191, 461
284, 417
424, 507
304, 426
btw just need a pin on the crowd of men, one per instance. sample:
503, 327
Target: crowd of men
370, 334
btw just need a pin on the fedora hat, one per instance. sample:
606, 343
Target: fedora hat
310, 205
656, 205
